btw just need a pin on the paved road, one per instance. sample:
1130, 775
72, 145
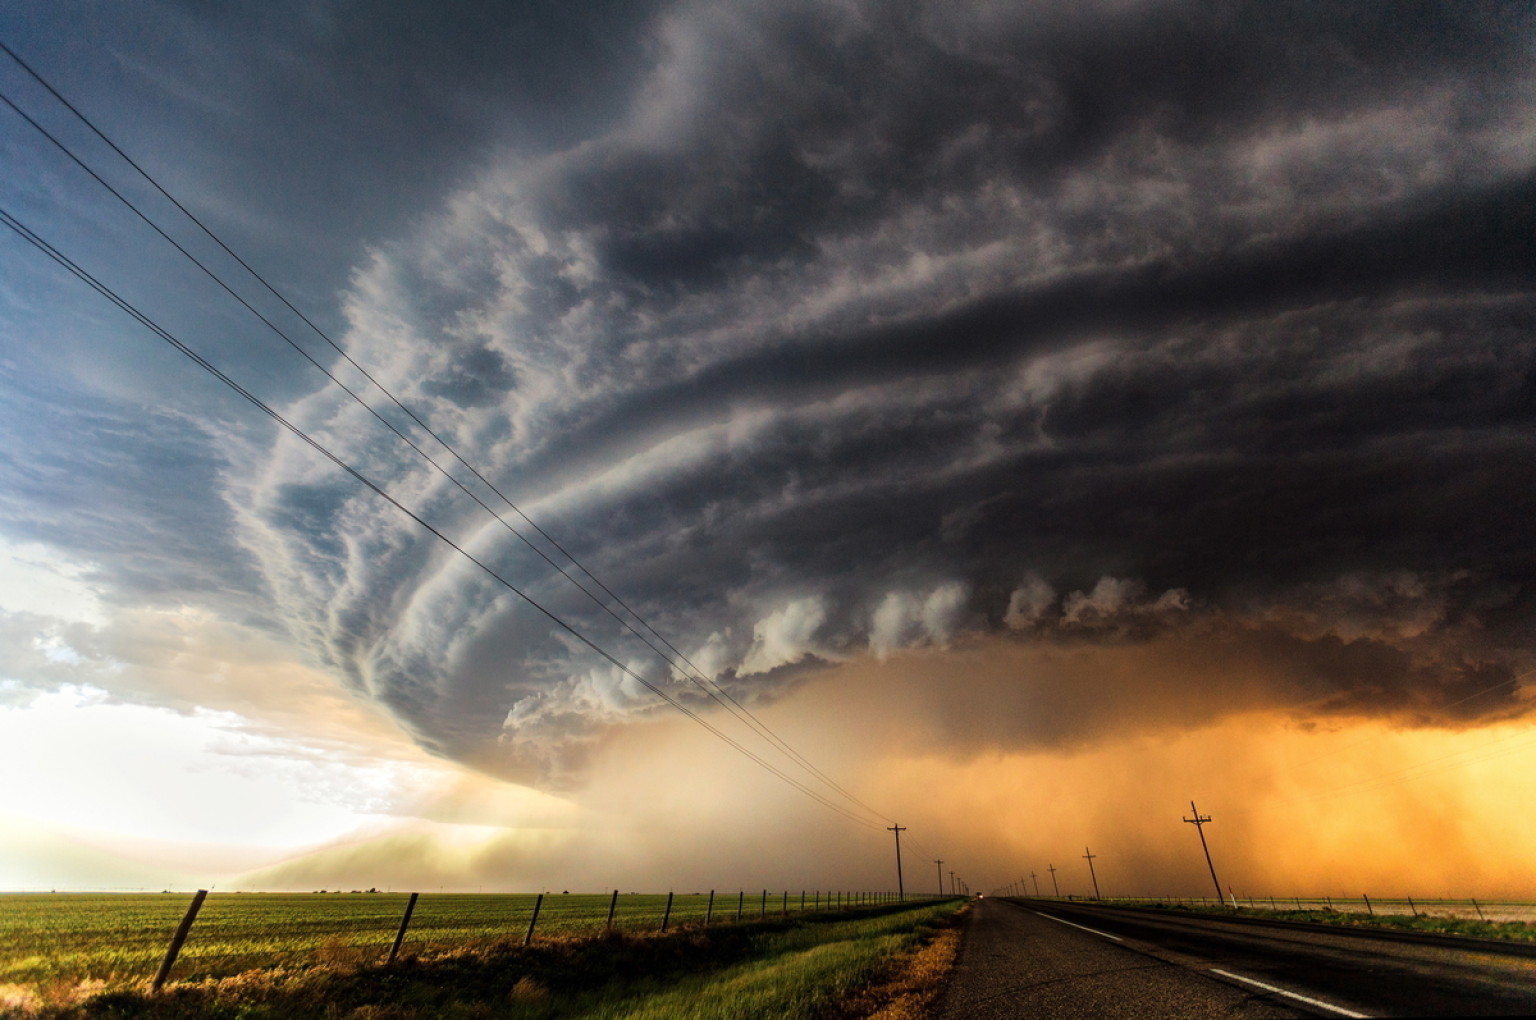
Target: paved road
1056, 960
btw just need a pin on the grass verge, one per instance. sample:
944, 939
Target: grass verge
803, 968
912, 981
1514, 931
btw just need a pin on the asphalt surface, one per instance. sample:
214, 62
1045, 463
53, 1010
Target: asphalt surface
1047, 959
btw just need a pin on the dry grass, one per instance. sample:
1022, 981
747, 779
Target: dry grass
915, 979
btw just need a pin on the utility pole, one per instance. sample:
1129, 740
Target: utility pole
952, 886
1035, 880
901, 890
941, 878
1089, 855
1199, 823
1054, 886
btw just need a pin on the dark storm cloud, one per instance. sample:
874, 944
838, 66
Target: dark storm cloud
302, 131
866, 327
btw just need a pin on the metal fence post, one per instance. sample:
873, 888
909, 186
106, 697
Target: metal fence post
405, 922
177, 939
537, 903
668, 915
613, 905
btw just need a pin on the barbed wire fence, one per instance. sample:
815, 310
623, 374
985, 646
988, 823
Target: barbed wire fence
1467, 909
154, 939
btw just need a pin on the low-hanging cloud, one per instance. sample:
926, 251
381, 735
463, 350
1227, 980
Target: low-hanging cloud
866, 329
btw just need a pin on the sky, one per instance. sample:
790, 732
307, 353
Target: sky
1037, 415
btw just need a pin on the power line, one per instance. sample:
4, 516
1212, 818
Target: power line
696, 676
75, 269
693, 674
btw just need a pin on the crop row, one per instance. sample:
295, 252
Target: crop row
48, 939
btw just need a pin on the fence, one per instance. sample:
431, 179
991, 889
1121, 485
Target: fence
124, 938
1405, 906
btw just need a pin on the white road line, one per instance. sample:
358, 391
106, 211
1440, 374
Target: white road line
1095, 931
1320, 1004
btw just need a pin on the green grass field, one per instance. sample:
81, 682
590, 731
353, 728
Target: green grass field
793, 974
1444, 917
49, 940
794, 968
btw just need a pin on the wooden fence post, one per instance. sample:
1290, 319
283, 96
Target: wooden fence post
763, 910
537, 903
405, 922
177, 939
1368, 906
709, 911
785, 904
668, 915
613, 905
1479, 910
741, 897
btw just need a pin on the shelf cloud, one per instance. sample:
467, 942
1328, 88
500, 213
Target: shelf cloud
1023, 336
867, 330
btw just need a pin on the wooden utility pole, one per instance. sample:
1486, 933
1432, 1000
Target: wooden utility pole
1089, 855
952, 887
1199, 823
1052, 869
901, 889
1035, 880
941, 878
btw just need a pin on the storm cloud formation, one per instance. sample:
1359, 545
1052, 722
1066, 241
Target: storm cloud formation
871, 327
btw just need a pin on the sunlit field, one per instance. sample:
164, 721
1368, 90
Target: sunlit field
121, 939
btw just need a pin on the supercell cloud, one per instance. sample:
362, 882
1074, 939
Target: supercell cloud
875, 327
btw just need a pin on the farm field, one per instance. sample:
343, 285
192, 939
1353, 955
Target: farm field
799, 966
1508, 919
1463, 909
68, 938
